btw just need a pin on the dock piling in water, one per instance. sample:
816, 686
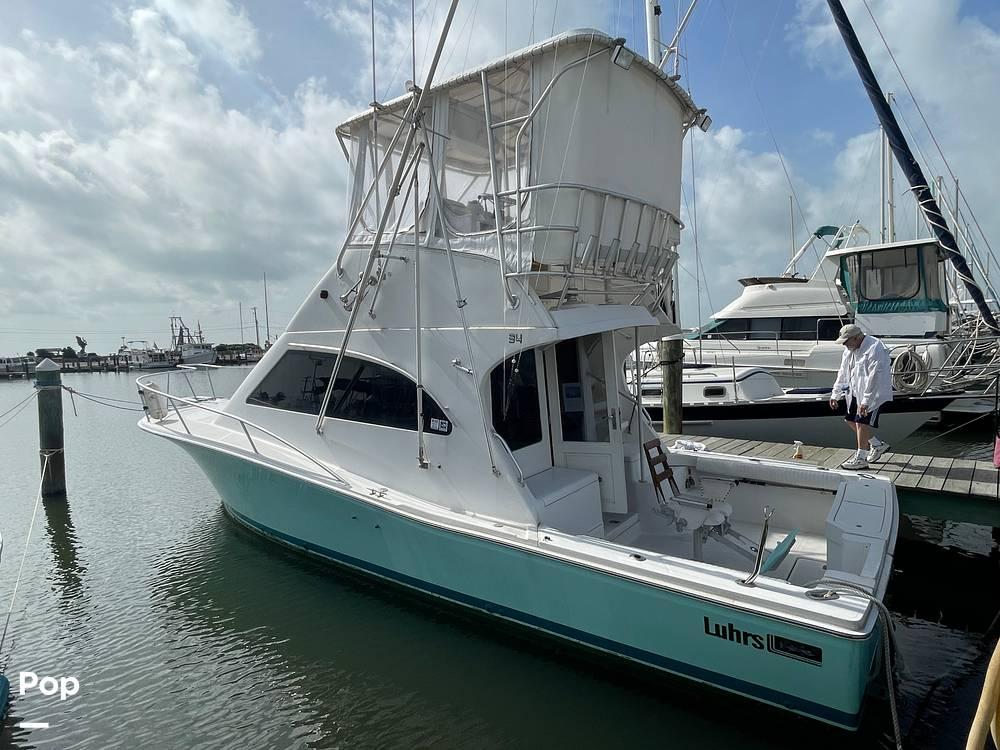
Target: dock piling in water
50, 428
671, 361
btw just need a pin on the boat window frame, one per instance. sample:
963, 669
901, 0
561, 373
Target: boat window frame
501, 367
853, 273
333, 353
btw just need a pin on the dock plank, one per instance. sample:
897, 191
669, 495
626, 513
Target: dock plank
822, 455
837, 458
727, 447
959, 478
935, 474
891, 465
713, 443
984, 480
775, 450
913, 471
927, 473
748, 449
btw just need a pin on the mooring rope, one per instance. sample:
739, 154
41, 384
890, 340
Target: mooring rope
19, 407
101, 400
27, 539
888, 641
19, 403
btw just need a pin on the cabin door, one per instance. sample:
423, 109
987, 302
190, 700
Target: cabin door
582, 377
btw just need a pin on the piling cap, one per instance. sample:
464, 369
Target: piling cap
47, 365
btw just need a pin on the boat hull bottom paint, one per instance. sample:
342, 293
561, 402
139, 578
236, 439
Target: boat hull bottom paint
810, 672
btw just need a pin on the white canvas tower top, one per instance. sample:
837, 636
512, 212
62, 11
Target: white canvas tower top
585, 138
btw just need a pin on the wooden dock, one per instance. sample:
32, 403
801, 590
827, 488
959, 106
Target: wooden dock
936, 474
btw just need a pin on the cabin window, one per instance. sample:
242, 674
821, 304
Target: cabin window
766, 329
517, 415
365, 391
886, 274
731, 328
714, 391
798, 329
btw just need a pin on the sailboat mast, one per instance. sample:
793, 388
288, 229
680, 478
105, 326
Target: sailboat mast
890, 190
883, 147
911, 169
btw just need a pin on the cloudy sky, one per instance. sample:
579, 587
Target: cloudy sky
157, 157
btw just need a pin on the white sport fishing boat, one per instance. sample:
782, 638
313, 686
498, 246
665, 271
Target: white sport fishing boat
476, 452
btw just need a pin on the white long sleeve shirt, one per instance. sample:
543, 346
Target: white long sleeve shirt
865, 374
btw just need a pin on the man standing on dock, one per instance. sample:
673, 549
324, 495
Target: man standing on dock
865, 380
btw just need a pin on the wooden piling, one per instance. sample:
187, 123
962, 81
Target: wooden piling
50, 428
671, 357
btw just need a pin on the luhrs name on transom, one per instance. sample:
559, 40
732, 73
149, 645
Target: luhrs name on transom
730, 632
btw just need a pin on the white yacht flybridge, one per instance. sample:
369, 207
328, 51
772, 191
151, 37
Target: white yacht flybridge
447, 410
788, 324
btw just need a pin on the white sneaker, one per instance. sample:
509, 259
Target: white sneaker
855, 462
876, 450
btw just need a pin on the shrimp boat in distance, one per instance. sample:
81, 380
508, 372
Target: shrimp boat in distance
445, 410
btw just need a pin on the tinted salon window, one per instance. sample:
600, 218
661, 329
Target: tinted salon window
365, 391
516, 413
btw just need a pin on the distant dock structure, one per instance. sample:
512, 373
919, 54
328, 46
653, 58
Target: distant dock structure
19, 368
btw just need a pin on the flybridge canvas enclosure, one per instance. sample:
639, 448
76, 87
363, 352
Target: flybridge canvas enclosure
619, 131
897, 288
567, 161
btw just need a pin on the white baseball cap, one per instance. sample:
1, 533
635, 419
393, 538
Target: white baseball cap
849, 331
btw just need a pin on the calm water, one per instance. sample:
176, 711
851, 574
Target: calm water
186, 631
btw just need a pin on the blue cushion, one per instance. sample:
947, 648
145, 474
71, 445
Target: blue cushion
779, 553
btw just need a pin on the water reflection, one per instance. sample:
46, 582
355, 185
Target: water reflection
67, 571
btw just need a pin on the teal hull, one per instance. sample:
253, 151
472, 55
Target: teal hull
807, 671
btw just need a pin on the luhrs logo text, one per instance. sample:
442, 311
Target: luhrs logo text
730, 632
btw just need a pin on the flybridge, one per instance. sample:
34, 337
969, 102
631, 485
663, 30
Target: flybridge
536, 168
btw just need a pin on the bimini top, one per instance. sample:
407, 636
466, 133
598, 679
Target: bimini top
924, 242
536, 50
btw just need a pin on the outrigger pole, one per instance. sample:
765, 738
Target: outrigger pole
409, 123
909, 165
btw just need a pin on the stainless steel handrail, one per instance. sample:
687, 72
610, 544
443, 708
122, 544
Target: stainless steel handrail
244, 423
510, 453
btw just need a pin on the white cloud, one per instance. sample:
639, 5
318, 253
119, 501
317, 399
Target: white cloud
825, 137
171, 200
217, 25
481, 31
